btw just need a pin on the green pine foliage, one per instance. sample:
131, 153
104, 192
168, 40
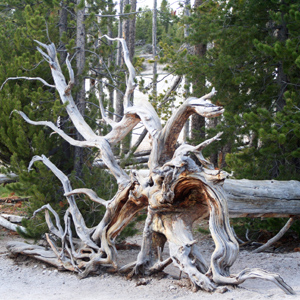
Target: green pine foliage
144, 26
252, 60
20, 141
20, 24
169, 30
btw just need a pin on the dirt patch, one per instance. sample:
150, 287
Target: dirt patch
24, 278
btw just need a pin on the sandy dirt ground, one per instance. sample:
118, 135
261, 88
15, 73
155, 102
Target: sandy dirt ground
23, 278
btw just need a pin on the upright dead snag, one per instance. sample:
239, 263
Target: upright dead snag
175, 190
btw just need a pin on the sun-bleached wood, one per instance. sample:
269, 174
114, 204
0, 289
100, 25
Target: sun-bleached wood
8, 178
175, 191
270, 242
262, 198
245, 198
10, 225
12, 218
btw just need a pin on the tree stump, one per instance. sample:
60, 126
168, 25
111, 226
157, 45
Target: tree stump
175, 191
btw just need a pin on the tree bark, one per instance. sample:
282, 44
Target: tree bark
197, 121
279, 235
262, 198
187, 84
11, 226
132, 20
80, 83
119, 96
63, 28
109, 64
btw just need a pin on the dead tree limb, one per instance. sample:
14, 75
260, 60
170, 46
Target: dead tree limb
8, 178
279, 235
11, 226
262, 198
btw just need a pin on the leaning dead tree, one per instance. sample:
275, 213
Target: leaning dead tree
175, 191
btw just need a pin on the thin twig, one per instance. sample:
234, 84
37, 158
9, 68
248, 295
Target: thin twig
170, 90
102, 62
29, 70
138, 142
120, 15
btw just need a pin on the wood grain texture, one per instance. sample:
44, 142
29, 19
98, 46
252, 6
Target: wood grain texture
262, 198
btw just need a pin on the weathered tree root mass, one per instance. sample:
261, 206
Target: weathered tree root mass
175, 191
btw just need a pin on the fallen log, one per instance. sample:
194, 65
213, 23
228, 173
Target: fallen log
8, 178
13, 218
11, 226
253, 198
262, 198
35, 251
134, 161
13, 199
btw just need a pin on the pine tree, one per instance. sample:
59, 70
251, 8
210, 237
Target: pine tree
19, 142
252, 61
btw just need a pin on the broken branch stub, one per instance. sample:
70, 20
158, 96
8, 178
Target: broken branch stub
175, 191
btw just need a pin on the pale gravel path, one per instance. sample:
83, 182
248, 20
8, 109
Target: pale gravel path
28, 280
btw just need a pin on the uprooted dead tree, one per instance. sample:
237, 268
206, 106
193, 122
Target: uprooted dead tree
175, 191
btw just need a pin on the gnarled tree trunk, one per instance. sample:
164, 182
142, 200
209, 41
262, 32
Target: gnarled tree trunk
175, 191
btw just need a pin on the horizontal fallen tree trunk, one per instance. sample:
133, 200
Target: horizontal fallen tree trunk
11, 226
7, 179
136, 160
13, 218
262, 198
13, 200
247, 198
253, 198
37, 252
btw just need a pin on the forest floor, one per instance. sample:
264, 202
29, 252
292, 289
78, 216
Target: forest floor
27, 279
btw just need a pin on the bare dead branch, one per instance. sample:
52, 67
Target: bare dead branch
90, 193
168, 136
58, 231
104, 115
130, 82
182, 151
8, 178
27, 78
119, 15
70, 140
11, 226
278, 236
137, 143
173, 88
81, 229
71, 74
